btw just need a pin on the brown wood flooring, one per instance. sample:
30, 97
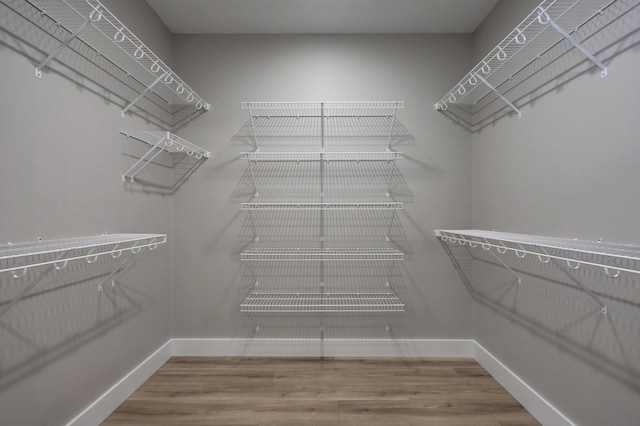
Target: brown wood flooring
327, 391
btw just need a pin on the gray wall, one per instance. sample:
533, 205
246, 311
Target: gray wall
567, 168
210, 282
62, 158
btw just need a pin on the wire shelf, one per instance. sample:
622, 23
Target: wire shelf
18, 258
321, 156
171, 143
91, 22
594, 253
323, 109
550, 23
320, 206
322, 302
326, 254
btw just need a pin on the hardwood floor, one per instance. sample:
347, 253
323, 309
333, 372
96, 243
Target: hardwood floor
340, 391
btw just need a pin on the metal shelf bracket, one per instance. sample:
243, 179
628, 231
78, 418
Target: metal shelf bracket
494, 90
544, 18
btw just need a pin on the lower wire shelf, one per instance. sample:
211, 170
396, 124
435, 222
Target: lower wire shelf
322, 302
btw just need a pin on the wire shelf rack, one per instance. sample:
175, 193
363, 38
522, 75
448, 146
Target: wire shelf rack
549, 24
566, 254
92, 23
160, 142
322, 302
323, 109
18, 258
321, 156
322, 254
320, 206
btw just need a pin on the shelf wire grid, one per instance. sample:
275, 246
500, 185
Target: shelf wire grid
529, 41
320, 206
322, 254
323, 109
108, 36
322, 302
321, 156
595, 253
22, 256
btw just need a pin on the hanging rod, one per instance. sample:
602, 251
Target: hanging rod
327, 254
322, 302
528, 41
91, 22
162, 142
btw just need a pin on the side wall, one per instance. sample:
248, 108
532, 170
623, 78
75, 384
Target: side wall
61, 158
211, 281
567, 168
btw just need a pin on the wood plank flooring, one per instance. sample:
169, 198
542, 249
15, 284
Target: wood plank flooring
327, 391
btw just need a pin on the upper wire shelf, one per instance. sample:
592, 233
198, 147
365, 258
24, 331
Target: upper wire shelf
538, 33
162, 142
326, 254
323, 109
321, 156
322, 302
320, 206
18, 258
598, 251
91, 22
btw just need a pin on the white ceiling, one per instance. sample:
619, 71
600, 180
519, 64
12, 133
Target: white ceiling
321, 16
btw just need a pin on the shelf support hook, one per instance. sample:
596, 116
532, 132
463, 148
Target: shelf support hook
494, 90
142, 94
95, 16
391, 128
253, 127
603, 306
544, 18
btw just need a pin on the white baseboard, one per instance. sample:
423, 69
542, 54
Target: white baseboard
100, 409
324, 348
531, 400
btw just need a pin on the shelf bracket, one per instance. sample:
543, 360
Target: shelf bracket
392, 165
494, 90
141, 95
544, 18
253, 127
141, 159
253, 179
27, 289
116, 273
603, 306
253, 225
507, 267
66, 42
391, 219
393, 122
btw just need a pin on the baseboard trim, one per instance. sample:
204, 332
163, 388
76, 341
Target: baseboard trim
531, 400
102, 407
324, 348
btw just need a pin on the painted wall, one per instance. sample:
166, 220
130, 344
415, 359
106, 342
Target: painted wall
433, 181
567, 168
62, 158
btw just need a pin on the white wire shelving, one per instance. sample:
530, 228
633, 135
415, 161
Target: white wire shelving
92, 23
565, 253
262, 156
550, 23
320, 206
322, 302
160, 142
51, 255
323, 109
321, 254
